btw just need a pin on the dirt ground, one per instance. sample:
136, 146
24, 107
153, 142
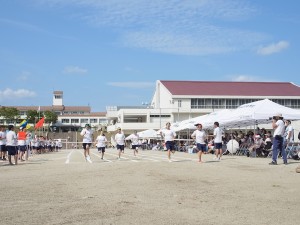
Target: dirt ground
61, 188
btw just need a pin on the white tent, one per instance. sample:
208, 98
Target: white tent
258, 112
207, 120
148, 134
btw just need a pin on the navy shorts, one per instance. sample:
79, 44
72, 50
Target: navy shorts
218, 145
101, 149
134, 146
201, 147
84, 145
3, 148
170, 145
12, 150
120, 147
22, 148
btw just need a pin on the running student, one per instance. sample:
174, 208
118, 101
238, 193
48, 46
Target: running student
200, 136
87, 141
120, 140
169, 136
135, 142
101, 143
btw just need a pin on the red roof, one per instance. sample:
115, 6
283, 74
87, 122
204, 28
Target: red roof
232, 88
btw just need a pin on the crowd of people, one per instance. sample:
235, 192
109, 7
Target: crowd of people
18, 145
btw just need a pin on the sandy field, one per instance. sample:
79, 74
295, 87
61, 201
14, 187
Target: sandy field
61, 188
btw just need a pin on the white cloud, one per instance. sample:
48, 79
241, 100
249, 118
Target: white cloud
249, 78
12, 94
273, 48
23, 76
74, 70
170, 26
136, 85
34, 28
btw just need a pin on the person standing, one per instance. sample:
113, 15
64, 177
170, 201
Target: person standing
11, 144
21, 143
200, 137
218, 141
101, 143
289, 133
169, 136
87, 141
120, 140
135, 143
3, 149
278, 126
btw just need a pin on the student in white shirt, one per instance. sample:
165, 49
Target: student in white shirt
11, 144
101, 143
218, 133
169, 136
120, 140
135, 143
87, 141
3, 150
200, 137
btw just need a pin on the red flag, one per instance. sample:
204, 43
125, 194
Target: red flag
40, 123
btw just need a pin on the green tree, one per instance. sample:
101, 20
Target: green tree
10, 114
50, 117
32, 116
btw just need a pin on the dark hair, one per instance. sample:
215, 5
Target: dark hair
10, 127
216, 123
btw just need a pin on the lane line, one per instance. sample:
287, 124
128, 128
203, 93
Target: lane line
68, 157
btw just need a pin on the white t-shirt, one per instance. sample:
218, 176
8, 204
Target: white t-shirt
2, 137
11, 138
218, 135
200, 136
87, 135
120, 138
101, 141
169, 135
135, 139
280, 128
289, 129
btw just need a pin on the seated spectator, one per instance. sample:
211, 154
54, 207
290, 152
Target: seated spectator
255, 148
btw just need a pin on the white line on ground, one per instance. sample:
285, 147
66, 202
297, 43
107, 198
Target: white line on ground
103, 158
68, 157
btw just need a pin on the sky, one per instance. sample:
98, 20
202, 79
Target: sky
111, 52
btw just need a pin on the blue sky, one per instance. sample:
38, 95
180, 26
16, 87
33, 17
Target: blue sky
110, 52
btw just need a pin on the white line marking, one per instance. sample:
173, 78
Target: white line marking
68, 157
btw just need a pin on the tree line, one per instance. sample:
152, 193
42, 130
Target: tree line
12, 115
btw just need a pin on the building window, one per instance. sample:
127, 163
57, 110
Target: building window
84, 121
103, 121
179, 103
57, 96
93, 120
74, 120
65, 121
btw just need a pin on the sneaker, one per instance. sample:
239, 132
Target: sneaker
285, 162
273, 163
170, 160
102, 158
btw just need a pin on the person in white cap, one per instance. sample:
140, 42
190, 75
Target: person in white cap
87, 141
279, 128
200, 136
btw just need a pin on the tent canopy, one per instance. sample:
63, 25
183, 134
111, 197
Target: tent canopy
259, 112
